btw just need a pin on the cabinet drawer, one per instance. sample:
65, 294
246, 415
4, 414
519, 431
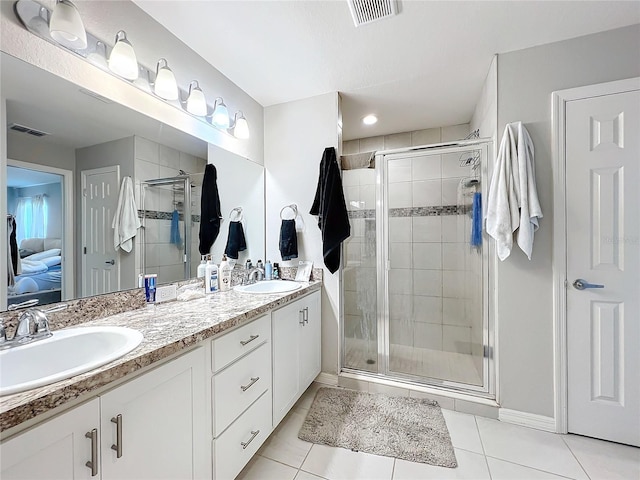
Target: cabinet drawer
251, 429
238, 342
239, 385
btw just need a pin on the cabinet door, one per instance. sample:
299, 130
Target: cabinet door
162, 432
286, 346
54, 450
309, 339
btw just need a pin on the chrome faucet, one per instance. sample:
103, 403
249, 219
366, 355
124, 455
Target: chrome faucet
255, 272
33, 325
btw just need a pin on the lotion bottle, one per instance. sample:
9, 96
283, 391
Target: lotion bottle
225, 274
202, 267
211, 277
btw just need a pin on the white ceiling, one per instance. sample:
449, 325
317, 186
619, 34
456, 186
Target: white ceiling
423, 68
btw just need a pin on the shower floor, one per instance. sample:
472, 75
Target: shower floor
422, 362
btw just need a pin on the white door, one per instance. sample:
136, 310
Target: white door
56, 449
100, 262
603, 257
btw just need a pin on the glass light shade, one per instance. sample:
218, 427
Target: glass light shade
66, 26
241, 127
370, 119
196, 102
165, 85
220, 117
123, 61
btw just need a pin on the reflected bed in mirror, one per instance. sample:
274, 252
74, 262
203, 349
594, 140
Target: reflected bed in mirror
74, 148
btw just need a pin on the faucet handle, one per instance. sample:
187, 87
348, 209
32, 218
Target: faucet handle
40, 323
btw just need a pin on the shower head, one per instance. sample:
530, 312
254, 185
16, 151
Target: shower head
474, 182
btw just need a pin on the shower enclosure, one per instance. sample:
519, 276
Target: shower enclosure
415, 276
167, 247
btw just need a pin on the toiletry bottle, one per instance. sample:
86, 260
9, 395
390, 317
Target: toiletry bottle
268, 271
202, 267
225, 274
260, 265
211, 277
248, 265
276, 271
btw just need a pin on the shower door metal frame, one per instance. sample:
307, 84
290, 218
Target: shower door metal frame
185, 180
488, 389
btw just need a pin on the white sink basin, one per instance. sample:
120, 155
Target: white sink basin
66, 353
268, 286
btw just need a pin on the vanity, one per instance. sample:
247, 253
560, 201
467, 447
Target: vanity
208, 384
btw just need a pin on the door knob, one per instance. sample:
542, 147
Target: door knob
581, 284
111, 262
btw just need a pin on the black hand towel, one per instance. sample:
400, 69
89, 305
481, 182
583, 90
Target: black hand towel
235, 241
210, 214
13, 245
288, 240
331, 209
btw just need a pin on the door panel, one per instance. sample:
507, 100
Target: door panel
603, 248
101, 271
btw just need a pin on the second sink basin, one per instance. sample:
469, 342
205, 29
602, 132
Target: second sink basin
66, 353
268, 286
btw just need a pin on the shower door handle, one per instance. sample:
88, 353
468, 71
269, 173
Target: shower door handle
111, 262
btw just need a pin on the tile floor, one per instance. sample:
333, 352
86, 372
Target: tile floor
485, 449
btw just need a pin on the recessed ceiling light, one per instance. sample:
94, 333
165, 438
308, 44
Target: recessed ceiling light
370, 119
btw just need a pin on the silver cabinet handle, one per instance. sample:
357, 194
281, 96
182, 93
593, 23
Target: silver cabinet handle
306, 314
251, 339
118, 445
581, 284
253, 435
248, 386
93, 463
111, 262
301, 321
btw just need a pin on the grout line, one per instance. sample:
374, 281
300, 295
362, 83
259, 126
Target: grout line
531, 468
475, 419
562, 437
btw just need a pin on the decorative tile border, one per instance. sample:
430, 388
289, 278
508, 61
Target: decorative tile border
438, 211
157, 215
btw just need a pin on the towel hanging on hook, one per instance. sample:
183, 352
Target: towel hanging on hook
236, 242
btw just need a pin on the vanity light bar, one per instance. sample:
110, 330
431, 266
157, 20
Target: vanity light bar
35, 18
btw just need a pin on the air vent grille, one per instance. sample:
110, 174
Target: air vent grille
16, 127
367, 11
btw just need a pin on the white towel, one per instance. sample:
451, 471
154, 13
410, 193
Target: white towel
125, 221
513, 199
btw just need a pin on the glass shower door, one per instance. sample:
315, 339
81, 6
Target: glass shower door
436, 324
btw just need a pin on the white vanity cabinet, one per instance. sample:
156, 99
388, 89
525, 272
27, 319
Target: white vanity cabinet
296, 351
241, 385
56, 448
152, 427
155, 422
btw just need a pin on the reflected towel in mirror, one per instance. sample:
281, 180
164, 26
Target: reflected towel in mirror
235, 241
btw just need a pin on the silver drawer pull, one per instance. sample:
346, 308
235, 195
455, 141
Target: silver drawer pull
93, 463
118, 445
253, 435
251, 339
248, 386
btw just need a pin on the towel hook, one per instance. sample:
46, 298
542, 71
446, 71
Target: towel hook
293, 207
238, 212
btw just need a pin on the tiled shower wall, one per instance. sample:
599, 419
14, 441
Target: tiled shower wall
152, 161
435, 281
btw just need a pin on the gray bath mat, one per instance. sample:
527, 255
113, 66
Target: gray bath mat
409, 428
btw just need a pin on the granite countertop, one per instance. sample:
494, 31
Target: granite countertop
167, 328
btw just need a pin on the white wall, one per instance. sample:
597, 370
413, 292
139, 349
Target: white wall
151, 41
296, 134
485, 115
526, 79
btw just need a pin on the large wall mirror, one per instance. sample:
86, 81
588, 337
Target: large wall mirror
68, 151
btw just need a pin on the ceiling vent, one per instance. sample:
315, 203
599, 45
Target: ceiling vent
367, 11
16, 127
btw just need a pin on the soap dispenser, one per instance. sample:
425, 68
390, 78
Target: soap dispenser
225, 274
201, 272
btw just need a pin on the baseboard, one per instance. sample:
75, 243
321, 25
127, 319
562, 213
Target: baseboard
327, 379
532, 420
